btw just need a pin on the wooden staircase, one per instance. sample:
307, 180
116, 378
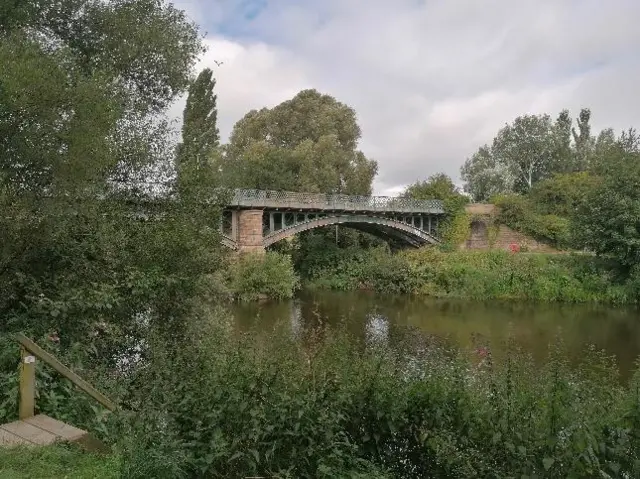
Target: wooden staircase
42, 430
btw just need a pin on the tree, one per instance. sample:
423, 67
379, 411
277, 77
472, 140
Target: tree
525, 149
436, 187
529, 150
200, 134
455, 229
563, 193
84, 86
584, 142
484, 177
608, 220
563, 152
308, 143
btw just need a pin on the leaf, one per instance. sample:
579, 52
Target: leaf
547, 462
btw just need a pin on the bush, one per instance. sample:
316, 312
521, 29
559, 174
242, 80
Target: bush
374, 269
338, 408
481, 275
254, 276
519, 213
457, 229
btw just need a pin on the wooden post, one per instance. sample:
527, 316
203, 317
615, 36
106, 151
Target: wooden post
27, 384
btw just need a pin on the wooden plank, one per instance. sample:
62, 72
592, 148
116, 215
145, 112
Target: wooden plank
10, 439
26, 408
43, 430
60, 429
30, 433
65, 371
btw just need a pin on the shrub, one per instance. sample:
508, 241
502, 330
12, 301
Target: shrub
256, 406
519, 213
481, 275
254, 276
456, 229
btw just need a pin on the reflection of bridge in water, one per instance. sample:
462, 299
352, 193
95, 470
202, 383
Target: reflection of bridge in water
255, 219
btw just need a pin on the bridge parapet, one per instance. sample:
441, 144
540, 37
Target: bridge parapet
249, 199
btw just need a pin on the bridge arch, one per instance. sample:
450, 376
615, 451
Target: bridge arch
408, 233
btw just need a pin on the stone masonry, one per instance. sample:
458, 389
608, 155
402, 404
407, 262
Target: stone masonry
504, 237
250, 231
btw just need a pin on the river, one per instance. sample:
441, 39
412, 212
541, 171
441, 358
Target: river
466, 324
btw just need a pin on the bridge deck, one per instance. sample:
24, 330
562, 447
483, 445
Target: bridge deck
287, 200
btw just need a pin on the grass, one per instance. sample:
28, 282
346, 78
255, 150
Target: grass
53, 462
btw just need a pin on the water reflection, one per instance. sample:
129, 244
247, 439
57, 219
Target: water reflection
533, 327
376, 328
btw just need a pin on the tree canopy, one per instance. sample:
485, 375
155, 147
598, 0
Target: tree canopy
308, 143
527, 151
437, 187
84, 85
608, 219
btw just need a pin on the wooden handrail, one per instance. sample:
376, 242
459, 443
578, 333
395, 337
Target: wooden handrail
27, 377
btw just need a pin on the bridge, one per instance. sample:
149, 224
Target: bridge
255, 219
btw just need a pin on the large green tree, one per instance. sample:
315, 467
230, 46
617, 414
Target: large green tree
608, 220
530, 149
483, 176
84, 154
437, 187
198, 152
308, 143
584, 141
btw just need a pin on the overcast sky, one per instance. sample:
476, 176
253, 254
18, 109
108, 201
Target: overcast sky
430, 80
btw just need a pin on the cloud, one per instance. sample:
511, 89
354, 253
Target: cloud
431, 81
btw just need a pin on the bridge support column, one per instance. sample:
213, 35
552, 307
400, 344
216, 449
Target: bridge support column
250, 231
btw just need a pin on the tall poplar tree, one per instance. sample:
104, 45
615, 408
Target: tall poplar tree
200, 134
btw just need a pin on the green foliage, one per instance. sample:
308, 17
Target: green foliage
372, 269
196, 155
254, 276
88, 230
56, 462
518, 212
481, 275
527, 151
273, 407
607, 220
562, 194
457, 229
306, 144
482, 175
438, 187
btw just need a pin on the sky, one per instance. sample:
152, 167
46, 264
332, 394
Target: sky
430, 80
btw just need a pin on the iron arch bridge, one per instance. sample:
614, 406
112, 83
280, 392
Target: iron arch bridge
256, 219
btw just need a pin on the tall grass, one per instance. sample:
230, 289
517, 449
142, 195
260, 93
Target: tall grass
479, 275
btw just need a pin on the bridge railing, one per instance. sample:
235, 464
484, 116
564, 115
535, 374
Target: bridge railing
319, 201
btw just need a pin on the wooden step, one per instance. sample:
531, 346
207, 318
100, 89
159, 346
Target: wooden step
42, 430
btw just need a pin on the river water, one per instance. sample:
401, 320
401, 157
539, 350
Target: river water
466, 324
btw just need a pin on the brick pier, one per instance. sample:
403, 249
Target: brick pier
249, 231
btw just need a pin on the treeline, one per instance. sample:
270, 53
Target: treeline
562, 184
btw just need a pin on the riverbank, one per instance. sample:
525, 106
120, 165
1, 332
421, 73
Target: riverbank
480, 275
269, 406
